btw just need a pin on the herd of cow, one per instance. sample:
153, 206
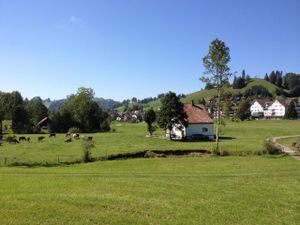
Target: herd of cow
68, 138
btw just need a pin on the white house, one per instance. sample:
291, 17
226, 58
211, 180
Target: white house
268, 109
259, 106
276, 109
199, 124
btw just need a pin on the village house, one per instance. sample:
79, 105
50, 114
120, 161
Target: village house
268, 109
200, 125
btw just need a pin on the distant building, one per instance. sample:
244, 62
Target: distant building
200, 125
268, 109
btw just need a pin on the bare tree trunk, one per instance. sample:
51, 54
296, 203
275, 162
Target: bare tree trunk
218, 121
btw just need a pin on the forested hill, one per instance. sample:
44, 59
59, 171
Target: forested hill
103, 103
207, 94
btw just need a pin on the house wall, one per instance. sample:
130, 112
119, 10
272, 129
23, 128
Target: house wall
275, 110
200, 129
191, 130
255, 108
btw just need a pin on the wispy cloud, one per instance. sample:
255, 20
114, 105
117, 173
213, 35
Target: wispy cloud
76, 21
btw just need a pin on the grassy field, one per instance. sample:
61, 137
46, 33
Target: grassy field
238, 136
199, 190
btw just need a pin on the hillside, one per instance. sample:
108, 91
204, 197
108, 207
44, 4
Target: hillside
208, 94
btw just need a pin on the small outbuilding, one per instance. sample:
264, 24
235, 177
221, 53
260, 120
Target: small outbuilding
200, 125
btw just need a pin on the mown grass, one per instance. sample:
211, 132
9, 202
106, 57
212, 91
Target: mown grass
245, 137
208, 190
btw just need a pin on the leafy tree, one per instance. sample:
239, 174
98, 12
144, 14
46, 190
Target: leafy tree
217, 73
227, 109
243, 110
149, 118
134, 99
295, 92
291, 112
292, 80
171, 112
36, 111
257, 91
202, 101
81, 111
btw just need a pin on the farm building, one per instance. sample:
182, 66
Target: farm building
200, 125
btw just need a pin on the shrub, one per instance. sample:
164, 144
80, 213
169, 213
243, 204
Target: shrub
271, 148
87, 147
74, 130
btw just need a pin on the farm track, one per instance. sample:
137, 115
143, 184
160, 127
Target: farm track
286, 149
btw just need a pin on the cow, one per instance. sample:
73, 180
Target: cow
22, 138
68, 134
13, 140
76, 136
28, 139
68, 140
40, 138
52, 135
90, 138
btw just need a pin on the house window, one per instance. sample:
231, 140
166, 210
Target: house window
204, 129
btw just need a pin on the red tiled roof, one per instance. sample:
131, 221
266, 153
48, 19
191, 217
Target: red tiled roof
197, 114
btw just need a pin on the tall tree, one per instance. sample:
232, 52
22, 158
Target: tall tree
171, 113
150, 117
243, 110
291, 112
217, 72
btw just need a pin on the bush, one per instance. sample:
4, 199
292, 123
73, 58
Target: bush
87, 147
74, 130
271, 148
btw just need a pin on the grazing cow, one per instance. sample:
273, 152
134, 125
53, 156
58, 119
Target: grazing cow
40, 138
76, 136
13, 140
52, 135
68, 139
22, 138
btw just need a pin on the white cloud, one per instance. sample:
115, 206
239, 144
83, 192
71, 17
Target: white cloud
74, 19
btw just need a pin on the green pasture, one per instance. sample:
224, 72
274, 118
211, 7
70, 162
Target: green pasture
194, 190
245, 136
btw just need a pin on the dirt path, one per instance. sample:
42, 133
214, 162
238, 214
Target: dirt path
284, 148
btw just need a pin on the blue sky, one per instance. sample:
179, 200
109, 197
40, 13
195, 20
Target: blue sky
139, 48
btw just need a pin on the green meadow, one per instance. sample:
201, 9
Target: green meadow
178, 190
193, 190
238, 137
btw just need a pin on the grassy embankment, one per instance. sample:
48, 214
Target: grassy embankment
238, 137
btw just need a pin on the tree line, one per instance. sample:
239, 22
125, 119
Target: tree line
79, 110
